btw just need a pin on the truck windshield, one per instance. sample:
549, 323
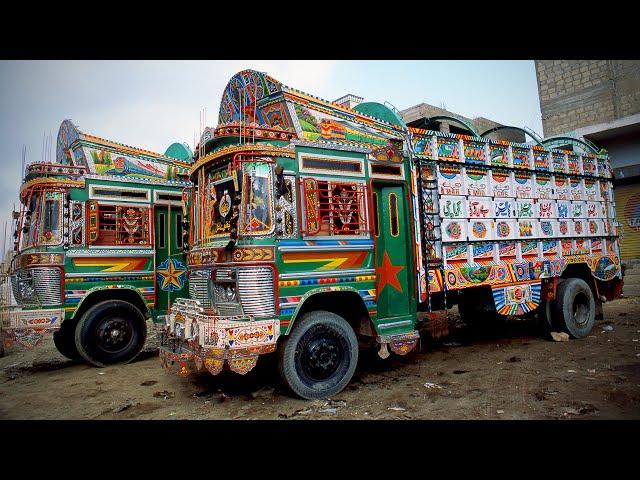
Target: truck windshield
257, 205
44, 220
251, 187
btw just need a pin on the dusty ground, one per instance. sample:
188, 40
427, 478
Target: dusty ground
517, 375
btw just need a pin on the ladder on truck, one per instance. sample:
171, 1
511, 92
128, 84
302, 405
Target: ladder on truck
429, 227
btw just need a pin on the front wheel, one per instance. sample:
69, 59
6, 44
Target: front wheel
574, 308
111, 332
319, 357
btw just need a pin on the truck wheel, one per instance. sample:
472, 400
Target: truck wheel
574, 308
111, 332
319, 357
65, 340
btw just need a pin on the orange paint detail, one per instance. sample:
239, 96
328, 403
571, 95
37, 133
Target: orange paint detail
117, 264
337, 260
388, 274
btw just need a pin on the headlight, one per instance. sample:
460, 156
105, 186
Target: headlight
26, 288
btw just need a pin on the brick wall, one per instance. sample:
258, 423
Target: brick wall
579, 93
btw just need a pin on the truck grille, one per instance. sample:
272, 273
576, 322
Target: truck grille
256, 291
43, 282
199, 287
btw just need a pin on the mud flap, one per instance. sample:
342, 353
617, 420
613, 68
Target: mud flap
517, 299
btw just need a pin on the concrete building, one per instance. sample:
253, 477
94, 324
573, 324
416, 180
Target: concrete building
599, 100
419, 115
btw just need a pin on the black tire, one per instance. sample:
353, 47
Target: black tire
65, 340
574, 309
113, 331
319, 357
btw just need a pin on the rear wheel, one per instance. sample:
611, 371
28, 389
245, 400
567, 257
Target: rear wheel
319, 357
574, 309
65, 340
111, 332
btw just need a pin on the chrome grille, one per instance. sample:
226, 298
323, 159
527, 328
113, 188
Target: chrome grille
224, 292
256, 291
199, 287
45, 283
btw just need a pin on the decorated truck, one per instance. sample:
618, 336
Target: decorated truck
98, 246
315, 228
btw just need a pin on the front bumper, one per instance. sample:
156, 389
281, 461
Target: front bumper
28, 327
196, 341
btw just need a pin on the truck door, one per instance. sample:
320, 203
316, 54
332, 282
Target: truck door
392, 259
171, 272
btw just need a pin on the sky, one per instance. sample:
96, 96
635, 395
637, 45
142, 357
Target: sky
151, 104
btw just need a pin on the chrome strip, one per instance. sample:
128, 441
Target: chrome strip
325, 248
394, 324
330, 273
108, 274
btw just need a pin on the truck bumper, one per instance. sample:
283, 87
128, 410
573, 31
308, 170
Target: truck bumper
195, 341
28, 327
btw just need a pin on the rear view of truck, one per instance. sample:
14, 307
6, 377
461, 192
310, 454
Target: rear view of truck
514, 229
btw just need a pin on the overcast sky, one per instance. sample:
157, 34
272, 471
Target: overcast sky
151, 104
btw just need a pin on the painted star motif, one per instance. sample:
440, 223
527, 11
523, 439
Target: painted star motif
171, 274
388, 274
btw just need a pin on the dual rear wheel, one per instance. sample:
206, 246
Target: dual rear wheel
574, 309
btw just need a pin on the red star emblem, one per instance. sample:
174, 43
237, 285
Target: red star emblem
388, 274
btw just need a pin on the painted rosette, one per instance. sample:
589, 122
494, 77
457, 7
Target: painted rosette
454, 230
480, 230
505, 229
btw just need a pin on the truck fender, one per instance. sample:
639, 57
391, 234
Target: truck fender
321, 290
104, 288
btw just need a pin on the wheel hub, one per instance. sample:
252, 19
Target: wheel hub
114, 334
321, 356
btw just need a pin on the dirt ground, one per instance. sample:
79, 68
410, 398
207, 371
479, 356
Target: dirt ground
516, 375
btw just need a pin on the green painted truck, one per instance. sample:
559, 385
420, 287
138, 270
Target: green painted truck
99, 247
314, 228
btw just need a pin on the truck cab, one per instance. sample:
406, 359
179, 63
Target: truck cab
98, 248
